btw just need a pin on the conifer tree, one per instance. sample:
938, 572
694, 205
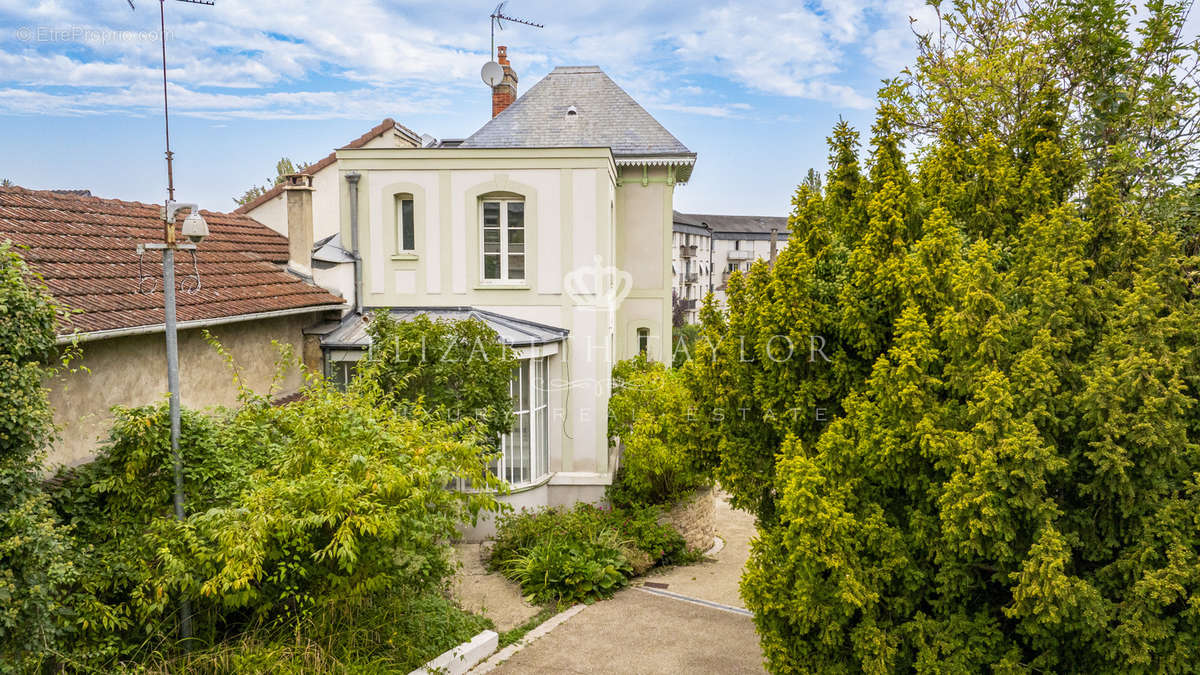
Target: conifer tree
1008, 481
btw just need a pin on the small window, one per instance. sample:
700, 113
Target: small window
406, 231
643, 336
503, 240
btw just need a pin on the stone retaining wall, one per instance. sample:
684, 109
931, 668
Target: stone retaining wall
695, 518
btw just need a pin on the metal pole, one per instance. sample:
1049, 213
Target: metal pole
185, 609
162, 34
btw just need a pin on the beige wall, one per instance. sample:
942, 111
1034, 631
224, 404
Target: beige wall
643, 243
131, 371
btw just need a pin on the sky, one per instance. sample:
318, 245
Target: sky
752, 87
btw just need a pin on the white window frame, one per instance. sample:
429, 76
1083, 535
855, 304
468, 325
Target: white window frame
521, 471
505, 275
399, 199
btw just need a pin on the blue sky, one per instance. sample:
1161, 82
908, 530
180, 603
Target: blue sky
752, 87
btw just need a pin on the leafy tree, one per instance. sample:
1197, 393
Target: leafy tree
450, 369
37, 561
1127, 75
283, 168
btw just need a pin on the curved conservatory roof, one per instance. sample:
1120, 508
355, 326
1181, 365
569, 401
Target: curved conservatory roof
351, 333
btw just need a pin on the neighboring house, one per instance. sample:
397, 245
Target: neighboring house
725, 244
85, 250
552, 223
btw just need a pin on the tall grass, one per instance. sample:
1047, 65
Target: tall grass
387, 634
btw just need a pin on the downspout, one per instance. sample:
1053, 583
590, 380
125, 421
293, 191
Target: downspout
352, 179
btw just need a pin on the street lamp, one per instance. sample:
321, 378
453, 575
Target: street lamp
195, 229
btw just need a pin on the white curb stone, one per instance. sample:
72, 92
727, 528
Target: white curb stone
545, 627
463, 657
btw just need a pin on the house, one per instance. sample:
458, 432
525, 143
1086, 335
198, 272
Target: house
85, 249
552, 223
716, 246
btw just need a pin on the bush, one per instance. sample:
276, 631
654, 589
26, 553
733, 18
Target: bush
341, 500
584, 553
665, 450
450, 369
37, 559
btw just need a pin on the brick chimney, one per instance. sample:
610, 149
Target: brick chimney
298, 190
504, 93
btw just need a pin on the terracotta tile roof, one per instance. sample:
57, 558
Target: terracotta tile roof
84, 248
375, 132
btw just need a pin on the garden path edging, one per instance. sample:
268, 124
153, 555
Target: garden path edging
535, 633
464, 657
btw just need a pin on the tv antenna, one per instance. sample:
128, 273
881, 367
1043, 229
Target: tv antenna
499, 17
162, 34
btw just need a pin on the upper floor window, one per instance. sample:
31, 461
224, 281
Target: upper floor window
503, 239
406, 231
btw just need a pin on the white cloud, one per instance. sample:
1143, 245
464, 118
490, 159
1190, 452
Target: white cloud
240, 58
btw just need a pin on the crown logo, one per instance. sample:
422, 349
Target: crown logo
596, 286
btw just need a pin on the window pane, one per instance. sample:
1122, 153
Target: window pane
516, 214
516, 238
522, 472
523, 400
516, 266
491, 235
491, 267
491, 214
540, 383
408, 234
543, 440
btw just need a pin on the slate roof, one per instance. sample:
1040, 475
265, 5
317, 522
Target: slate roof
352, 332
84, 249
606, 117
719, 224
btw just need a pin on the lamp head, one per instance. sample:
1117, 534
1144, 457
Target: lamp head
194, 227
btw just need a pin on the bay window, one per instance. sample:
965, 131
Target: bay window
526, 448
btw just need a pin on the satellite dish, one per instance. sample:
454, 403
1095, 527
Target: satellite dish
492, 73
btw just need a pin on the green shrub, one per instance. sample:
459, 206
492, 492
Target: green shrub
37, 558
577, 554
449, 369
343, 498
665, 450
568, 571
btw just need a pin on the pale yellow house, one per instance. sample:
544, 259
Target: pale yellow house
552, 222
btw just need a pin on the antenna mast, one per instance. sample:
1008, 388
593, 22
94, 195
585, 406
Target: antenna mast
498, 17
162, 34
